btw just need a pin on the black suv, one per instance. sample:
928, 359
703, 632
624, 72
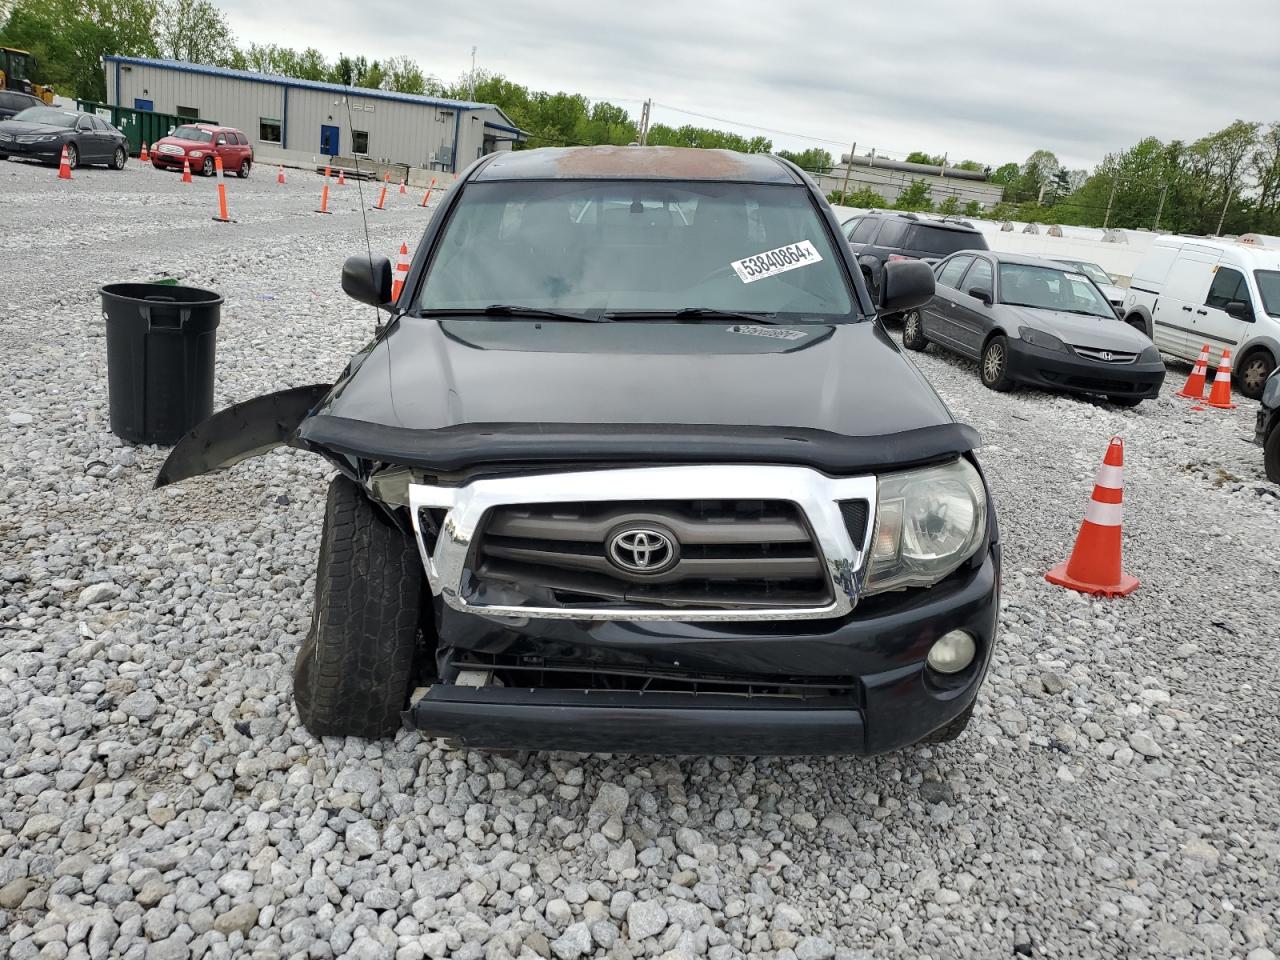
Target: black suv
879, 238
632, 468
1267, 432
11, 102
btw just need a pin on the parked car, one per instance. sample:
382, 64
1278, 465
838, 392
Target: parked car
1105, 281
40, 133
199, 144
1189, 291
1267, 432
1034, 322
12, 102
878, 238
632, 468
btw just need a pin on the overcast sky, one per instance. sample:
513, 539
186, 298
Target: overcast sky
990, 80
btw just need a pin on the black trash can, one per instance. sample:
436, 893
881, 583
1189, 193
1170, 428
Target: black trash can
160, 345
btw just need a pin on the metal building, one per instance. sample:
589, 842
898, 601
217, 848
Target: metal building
287, 119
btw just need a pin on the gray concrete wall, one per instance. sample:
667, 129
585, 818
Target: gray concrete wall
890, 183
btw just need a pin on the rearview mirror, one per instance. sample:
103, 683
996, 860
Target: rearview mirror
980, 293
906, 284
1240, 310
367, 279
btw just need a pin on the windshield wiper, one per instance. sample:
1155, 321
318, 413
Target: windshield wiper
515, 310
1037, 306
691, 314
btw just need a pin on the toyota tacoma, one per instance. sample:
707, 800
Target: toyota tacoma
633, 467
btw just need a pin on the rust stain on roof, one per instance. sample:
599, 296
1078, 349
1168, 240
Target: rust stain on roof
675, 162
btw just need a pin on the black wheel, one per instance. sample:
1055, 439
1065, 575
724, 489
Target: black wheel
73, 156
1126, 401
1271, 455
912, 331
244, 170
352, 675
1252, 374
953, 729
994, 367
118, 159
1135, 320
207, 167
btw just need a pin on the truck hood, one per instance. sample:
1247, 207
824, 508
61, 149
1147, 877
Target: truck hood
847, 379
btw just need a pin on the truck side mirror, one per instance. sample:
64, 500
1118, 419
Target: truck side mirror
905, 285
1240, 310
367, 279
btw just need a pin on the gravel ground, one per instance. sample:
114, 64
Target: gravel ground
1116, 795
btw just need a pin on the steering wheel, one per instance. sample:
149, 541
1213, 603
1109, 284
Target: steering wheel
726, 269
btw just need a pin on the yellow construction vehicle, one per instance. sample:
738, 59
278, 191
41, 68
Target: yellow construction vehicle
16, 67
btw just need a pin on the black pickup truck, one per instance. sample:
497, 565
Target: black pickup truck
634, 468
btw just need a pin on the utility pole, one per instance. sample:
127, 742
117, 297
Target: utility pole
942, 176
1160, 206
473, 72
644, 122
844, 191
1106, 220
1223, 216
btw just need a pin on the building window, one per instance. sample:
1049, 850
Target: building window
189, 113
268, 130
360, 141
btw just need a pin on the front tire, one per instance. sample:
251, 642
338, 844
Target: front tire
913, 337
118, 159
994, 366
1253, 373
243, 172
353, 671
207, 168
73, 156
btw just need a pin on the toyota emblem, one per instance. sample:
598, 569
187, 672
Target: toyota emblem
643, 550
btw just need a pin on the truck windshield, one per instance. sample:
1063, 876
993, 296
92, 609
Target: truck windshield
595, 247
1269, 289
1045, 288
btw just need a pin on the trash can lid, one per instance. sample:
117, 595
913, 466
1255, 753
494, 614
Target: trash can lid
150, 292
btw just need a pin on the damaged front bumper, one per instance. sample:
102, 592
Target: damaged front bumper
855, 685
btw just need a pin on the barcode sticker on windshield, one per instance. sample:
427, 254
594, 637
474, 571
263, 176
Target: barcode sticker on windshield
772, 262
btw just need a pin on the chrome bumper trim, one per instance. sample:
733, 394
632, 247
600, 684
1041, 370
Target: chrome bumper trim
816, 495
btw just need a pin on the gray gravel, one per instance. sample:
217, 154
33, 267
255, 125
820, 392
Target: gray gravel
1116, 796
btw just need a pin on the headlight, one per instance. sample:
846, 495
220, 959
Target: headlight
196, 154
1150, 355
46, 138
1038, 338
928, 522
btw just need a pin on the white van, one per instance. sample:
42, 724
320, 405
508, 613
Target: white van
1226, 293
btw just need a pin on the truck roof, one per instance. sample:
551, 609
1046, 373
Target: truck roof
1251, 250
636, 163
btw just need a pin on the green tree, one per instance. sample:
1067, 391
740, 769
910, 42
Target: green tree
815, 159
915, 197
69, 38
949, 207
919, 156
404, 75
972, 209
194, 31
690, 136
973, 165
1006, 174
863, 197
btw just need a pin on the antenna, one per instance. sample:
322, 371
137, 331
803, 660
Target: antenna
364, 214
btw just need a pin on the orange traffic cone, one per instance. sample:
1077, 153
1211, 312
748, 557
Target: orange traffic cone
1220, 394
382, 198
280, 175
222, 216
426, 197
403, 181
326, 171
64, 166
342, 178
1194, 387
186, 170
1095, 564
324, 194
402, 271
143, 156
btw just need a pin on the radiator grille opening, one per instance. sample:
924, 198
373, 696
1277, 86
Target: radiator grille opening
724, 553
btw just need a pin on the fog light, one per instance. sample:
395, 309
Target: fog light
952, 653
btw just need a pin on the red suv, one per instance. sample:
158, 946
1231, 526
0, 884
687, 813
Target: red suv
198, 144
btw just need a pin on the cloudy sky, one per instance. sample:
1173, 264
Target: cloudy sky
990, 80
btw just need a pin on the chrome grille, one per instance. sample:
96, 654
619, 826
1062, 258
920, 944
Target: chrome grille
730, 553
1105, 356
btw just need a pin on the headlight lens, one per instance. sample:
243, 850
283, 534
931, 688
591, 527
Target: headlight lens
1038, 338
928, 522
197, 154
1150, 355
46, 138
